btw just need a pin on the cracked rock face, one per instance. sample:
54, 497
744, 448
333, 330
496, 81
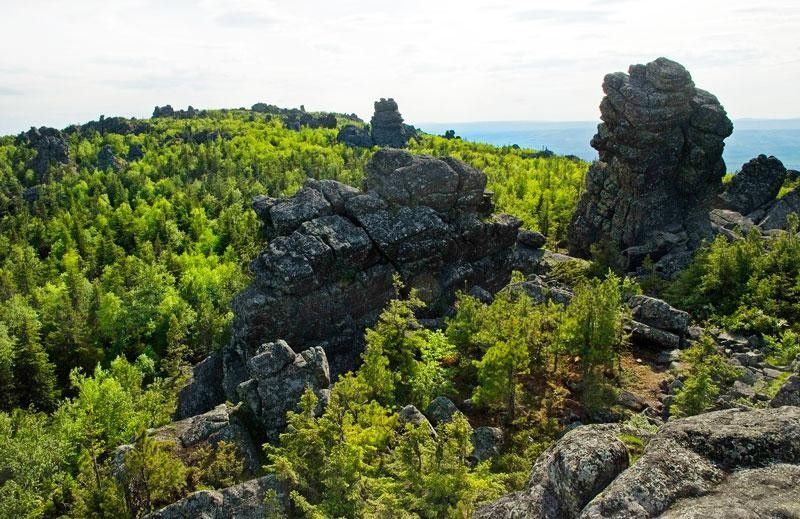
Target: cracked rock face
660, 167
278, 378
730, 463
243, 501
756, 185
387, 125
327, 272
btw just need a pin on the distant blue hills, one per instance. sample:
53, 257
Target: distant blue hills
751, 137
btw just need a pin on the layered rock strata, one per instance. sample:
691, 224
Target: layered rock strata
660, 168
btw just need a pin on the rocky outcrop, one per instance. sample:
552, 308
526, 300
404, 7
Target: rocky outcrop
788, 394
660, 168
328, 270
185, 436
243, 501
566, 476
756, 185
277, 379
486, 443
387, 128
355, 136
107, 159
730, 463
706, 455
776, 216
657, 323
51, 149
135, 152
441, 410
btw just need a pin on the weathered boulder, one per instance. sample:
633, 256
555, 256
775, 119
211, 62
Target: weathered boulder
277, 378
788, 394
704, 455
185, 437
220, 424
441, 410
777, 215
387, 125
412, 416
757, 184
566, 476
730, 463
658, 314
486, 443
772, 491
660, 168
334, 251
355, 136
243, 501
531, 239
51, 148
729, 222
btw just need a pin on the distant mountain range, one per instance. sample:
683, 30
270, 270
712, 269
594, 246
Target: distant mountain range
751, 137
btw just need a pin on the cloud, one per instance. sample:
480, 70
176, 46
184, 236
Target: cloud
9, 91
121, 61
244, 20
564, 16
159, 81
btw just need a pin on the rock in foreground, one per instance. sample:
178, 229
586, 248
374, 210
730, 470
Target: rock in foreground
242, 501
730, 463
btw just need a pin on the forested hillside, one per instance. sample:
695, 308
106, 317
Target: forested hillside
173, 290
119, 266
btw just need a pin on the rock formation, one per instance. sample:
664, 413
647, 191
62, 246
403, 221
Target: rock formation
730, 463
278, 378
789, 393
660, 167
387, 125
243, 501
355, 136
51, 148
334, 250
756, 185
222, 423
106, 158
566, 476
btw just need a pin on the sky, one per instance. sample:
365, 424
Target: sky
68, 62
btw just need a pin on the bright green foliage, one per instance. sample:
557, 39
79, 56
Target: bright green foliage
59, 464
154, 476
32, 374
520, 347
354, 461
542, 191
594, 327
34, 453
402, 361
707, 371
432, 474
498, 373
750, 285
783, 350
219, 466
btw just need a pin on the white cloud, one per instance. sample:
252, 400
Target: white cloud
447, 60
